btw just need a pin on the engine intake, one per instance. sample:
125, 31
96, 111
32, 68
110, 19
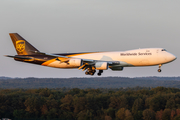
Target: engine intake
101, 65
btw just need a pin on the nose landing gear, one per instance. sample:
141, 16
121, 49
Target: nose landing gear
159, 70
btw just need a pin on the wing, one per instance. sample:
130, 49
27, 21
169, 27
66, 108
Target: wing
86, 62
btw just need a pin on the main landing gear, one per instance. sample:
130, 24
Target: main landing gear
159, 70
90, 71
99, 73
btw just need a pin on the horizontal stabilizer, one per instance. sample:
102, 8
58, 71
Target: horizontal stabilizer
20, 57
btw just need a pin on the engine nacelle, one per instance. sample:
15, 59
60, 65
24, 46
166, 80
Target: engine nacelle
75, 62
117, 68
101, 65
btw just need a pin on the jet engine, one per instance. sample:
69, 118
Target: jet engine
101, 65
117, 68
75, 62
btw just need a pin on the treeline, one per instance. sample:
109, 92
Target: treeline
83, 83
91, 104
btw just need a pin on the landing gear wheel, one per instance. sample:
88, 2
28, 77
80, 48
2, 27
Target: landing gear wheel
159, 70
99, 73
87, 73
90, 70
92, 73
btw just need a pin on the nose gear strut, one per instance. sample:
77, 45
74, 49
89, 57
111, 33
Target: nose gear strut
159, 70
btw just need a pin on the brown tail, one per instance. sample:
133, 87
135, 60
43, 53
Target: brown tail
21, 45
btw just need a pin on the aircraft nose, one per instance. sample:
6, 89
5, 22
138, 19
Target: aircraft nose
172, 57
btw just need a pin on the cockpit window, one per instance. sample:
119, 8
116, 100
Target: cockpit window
163, 50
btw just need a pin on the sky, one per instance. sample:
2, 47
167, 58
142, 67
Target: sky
61, 26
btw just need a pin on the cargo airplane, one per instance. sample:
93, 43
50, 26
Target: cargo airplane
90, 61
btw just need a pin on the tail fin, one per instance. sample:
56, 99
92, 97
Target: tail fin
21, 45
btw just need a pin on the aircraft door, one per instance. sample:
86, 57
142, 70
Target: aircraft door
157, 51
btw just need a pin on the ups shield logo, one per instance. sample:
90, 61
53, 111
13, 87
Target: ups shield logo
20, 45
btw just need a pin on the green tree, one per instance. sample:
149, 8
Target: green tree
137, 106
33, 106
177, 117
128, 115
79, 104
52, 103
159, 115
110, 112
45, 92
173, 113
148, 114
53, 113
157, 102
67, 103
108, 118
166, 114
92, 103
170, 103
44, 110
118, 102
138, 115
19, 113
129, 118
85, 115
123, 114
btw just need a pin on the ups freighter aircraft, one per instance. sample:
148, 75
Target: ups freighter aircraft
90, 61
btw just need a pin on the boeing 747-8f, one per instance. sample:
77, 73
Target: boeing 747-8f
91, 61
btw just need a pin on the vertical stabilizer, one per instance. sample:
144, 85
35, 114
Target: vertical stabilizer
21, 45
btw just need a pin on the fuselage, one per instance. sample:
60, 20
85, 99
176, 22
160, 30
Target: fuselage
130, 58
